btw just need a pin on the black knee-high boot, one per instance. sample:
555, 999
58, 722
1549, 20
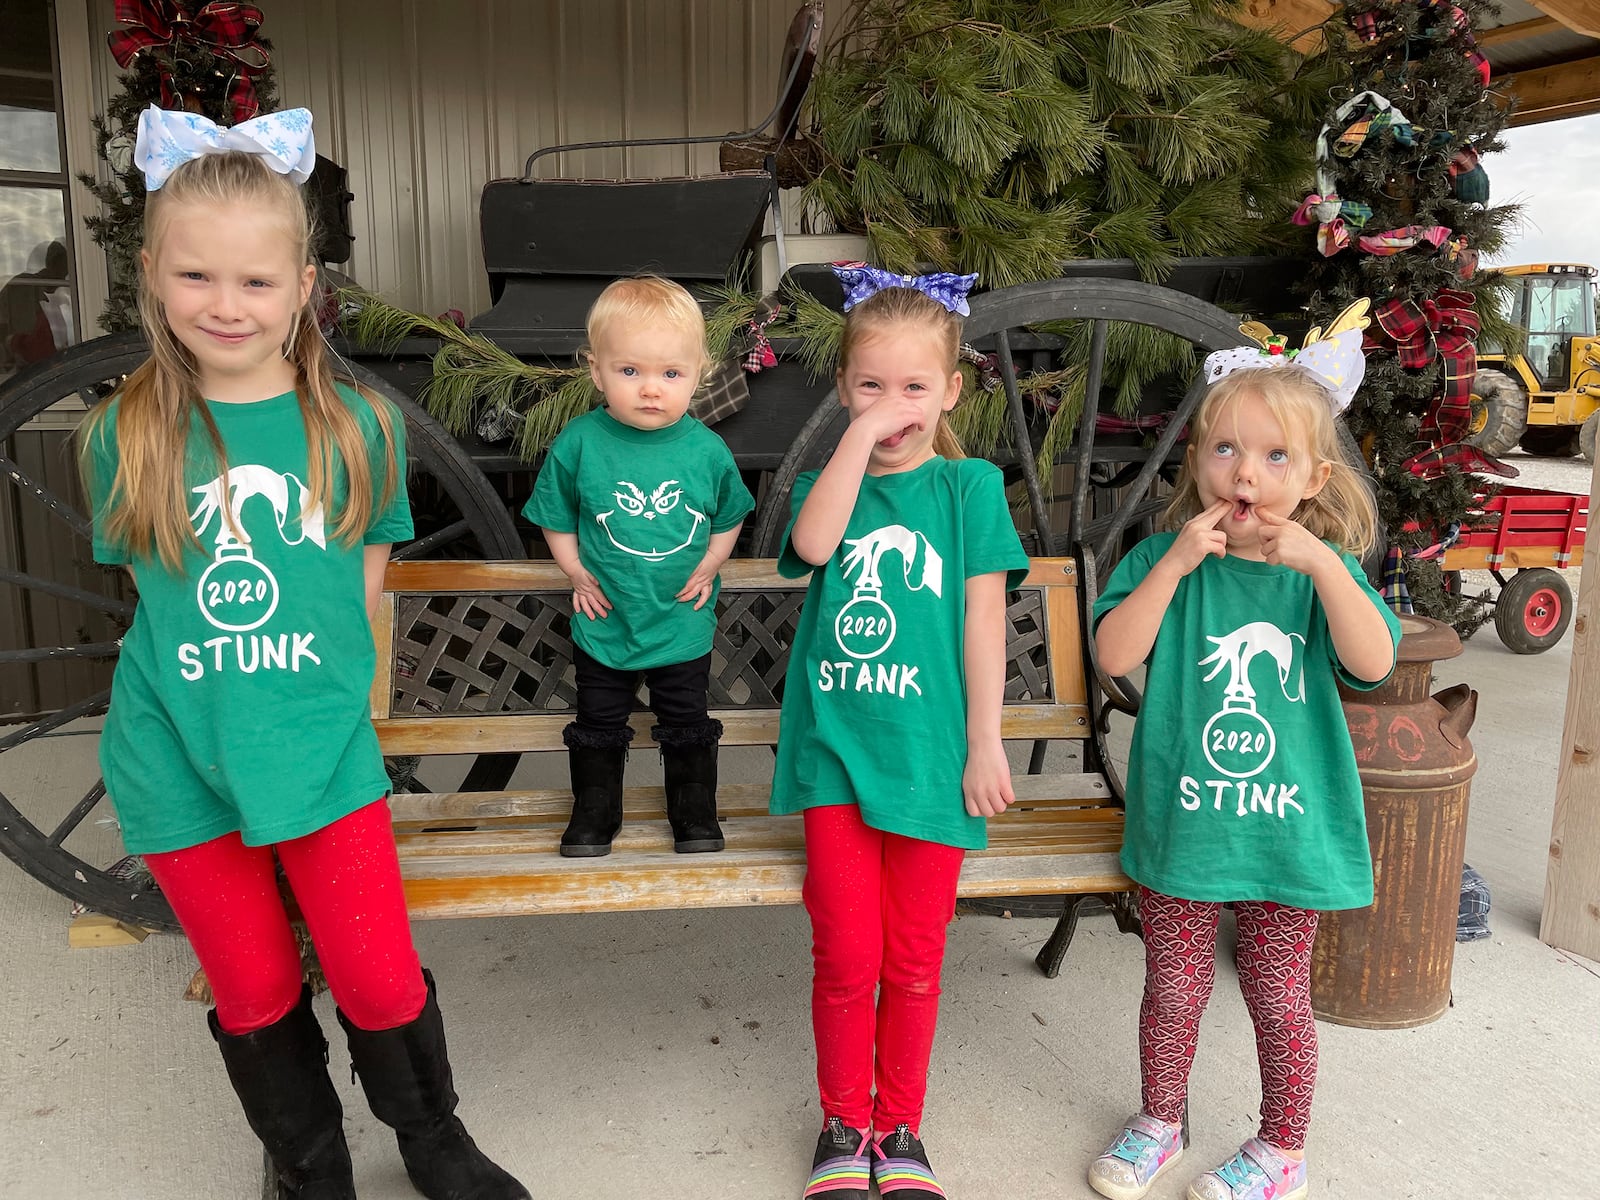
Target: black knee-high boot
281, 1076
689, 760
595, 759
405, 1073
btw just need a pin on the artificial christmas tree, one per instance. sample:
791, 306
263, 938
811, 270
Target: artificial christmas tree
204, 57
1401, 214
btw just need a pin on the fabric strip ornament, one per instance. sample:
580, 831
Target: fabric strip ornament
1398, 124
761, 355
1335, 357
1397, 241
1394, 591
860, 281
1435, 463
227, 30
167, 140
1337, 219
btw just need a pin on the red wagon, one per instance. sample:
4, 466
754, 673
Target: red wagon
1531, 533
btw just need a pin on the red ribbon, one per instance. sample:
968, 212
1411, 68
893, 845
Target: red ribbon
227, 30
1444, 326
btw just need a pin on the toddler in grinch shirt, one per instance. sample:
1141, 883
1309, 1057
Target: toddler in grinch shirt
641, 504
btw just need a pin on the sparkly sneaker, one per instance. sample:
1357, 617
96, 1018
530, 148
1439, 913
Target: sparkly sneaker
840, 1170
1257, 1172
900, 1167
1142, 1153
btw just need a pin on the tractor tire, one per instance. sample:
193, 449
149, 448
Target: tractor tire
1550, 441
1499, 412
1586, 433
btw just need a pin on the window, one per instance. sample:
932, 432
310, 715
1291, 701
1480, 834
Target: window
38, 306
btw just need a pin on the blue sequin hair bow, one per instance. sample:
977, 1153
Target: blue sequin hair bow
860, 281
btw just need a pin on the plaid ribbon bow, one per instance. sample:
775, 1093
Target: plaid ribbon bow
228, 30
1336, 219
1444, 326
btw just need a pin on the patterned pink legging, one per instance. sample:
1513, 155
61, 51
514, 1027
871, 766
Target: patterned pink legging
1274, 960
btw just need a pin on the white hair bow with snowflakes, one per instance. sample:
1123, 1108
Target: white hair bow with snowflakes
169, 139
1333, 356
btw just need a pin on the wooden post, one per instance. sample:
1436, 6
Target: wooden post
1571, 917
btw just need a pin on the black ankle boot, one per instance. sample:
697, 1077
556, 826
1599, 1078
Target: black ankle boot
595, 761
689, 757
405, 1074
281, 1076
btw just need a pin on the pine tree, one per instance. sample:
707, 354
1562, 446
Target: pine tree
1414, 176
196, 71
1006, 136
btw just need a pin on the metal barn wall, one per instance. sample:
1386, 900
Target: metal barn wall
425, 100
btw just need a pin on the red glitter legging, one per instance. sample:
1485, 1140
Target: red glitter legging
1274, 960
346, 880
880, 905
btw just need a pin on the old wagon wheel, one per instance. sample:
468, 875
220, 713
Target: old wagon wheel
64, 615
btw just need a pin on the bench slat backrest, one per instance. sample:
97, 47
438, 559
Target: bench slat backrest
474, 657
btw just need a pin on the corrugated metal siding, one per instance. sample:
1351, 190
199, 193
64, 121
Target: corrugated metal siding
426, 101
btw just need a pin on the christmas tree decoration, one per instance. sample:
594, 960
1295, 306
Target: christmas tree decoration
1402, 137
206, 58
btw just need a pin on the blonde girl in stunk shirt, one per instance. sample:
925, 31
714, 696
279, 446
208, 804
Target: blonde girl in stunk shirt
254, 500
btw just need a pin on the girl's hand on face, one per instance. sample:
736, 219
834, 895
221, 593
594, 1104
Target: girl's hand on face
1200, 538
889, 415
986, 781
1288, 543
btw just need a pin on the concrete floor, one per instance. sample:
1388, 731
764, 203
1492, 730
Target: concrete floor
668, 1055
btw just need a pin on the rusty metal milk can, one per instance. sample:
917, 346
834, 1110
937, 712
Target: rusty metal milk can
1387, 966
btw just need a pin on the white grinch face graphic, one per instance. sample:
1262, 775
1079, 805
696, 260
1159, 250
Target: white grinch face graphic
653, 526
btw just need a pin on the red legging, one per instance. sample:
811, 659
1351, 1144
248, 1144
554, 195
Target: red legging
346, 879
1274, 960
879, 904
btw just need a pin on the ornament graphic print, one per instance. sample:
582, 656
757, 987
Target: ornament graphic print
1237, 740
866, 626
653, 526
237, 592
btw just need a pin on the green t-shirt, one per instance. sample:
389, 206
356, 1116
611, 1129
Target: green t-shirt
644, 504
1242, 784
241, 697
875, 696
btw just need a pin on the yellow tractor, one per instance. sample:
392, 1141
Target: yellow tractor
1548, 397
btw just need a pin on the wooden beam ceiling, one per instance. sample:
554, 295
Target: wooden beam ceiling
1299, 20
1521, 31
1580, 16
1551, 93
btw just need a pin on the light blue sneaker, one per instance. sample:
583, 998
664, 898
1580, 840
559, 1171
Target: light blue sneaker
1142, 1153
1257, 1172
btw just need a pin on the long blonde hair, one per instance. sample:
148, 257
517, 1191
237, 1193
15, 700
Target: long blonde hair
903, 306
1343, 512
148, 500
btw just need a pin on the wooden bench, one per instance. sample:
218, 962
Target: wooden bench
474, 659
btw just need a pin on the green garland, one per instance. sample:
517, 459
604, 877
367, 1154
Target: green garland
471, 374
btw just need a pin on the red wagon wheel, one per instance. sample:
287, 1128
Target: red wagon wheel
1533, 610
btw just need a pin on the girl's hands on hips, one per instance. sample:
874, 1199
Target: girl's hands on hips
699, 586
587, 597
1288, 543
1199, 538
986, 781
